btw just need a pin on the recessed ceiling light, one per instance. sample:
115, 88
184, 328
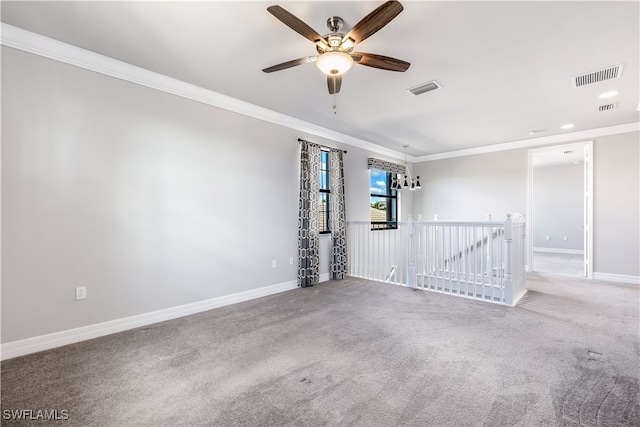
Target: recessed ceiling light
567, 126
608, 94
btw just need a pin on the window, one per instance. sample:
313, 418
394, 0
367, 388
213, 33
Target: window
384, 201
325, 193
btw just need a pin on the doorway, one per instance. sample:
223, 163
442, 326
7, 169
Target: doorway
560, 209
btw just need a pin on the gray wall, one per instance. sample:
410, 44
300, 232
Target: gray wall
149, 200
616, 217
558, 207
470, 187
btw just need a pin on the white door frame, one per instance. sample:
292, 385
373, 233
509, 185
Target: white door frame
587, 147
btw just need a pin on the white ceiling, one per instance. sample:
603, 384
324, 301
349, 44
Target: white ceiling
505, 67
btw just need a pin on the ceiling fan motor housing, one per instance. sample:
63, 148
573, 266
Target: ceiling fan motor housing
334, 38
335, 23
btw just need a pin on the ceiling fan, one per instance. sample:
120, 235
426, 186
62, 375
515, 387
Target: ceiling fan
335, 50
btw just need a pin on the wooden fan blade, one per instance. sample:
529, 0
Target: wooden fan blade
382, 62
295, 24
334, 83
374, 21
288, 64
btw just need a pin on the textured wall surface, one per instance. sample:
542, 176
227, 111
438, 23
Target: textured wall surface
149, 200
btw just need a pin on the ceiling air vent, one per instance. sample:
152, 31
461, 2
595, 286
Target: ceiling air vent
425, 87
597, 76
608, 107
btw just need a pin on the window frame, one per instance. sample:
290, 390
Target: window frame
392, 196
326, 191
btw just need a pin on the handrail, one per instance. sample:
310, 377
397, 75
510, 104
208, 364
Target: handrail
478, 244
392, 273
444, 222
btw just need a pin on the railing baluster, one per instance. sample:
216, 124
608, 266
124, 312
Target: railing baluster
433, 269
422, 249
458, 256
393, 239
364, 248
367, 266
372, 255
466, 258
502, 245
451, 262
440, 254
388, 261
379, 253
353, 250
475, 262
482, 260
363, 251
492, 267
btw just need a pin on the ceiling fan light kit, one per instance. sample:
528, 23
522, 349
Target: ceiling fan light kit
334, 63
335, 50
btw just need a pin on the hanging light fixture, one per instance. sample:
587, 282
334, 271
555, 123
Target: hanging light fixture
406, 181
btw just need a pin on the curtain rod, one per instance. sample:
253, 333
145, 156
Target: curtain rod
323, 146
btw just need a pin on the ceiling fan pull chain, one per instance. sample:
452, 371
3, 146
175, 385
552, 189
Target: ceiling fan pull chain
334, 103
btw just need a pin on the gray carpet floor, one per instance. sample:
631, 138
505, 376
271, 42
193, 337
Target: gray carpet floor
356, 353
563, 264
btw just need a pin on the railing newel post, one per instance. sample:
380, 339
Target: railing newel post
411, 269
508, 276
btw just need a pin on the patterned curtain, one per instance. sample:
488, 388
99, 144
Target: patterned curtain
337, 217
308, 232
383, 165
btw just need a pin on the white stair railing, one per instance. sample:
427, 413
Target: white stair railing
474, 259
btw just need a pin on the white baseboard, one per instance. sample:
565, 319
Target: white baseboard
58, 339
324, 277
559, 251
620, 278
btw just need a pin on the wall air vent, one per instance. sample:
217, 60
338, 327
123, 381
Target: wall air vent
608, 107
597, 76
425, 87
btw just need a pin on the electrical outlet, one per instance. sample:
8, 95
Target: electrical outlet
274, 263
81, 293
291, 261
547, 237
565, 238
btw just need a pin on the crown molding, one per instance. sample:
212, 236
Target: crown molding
46, 47
535, 142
